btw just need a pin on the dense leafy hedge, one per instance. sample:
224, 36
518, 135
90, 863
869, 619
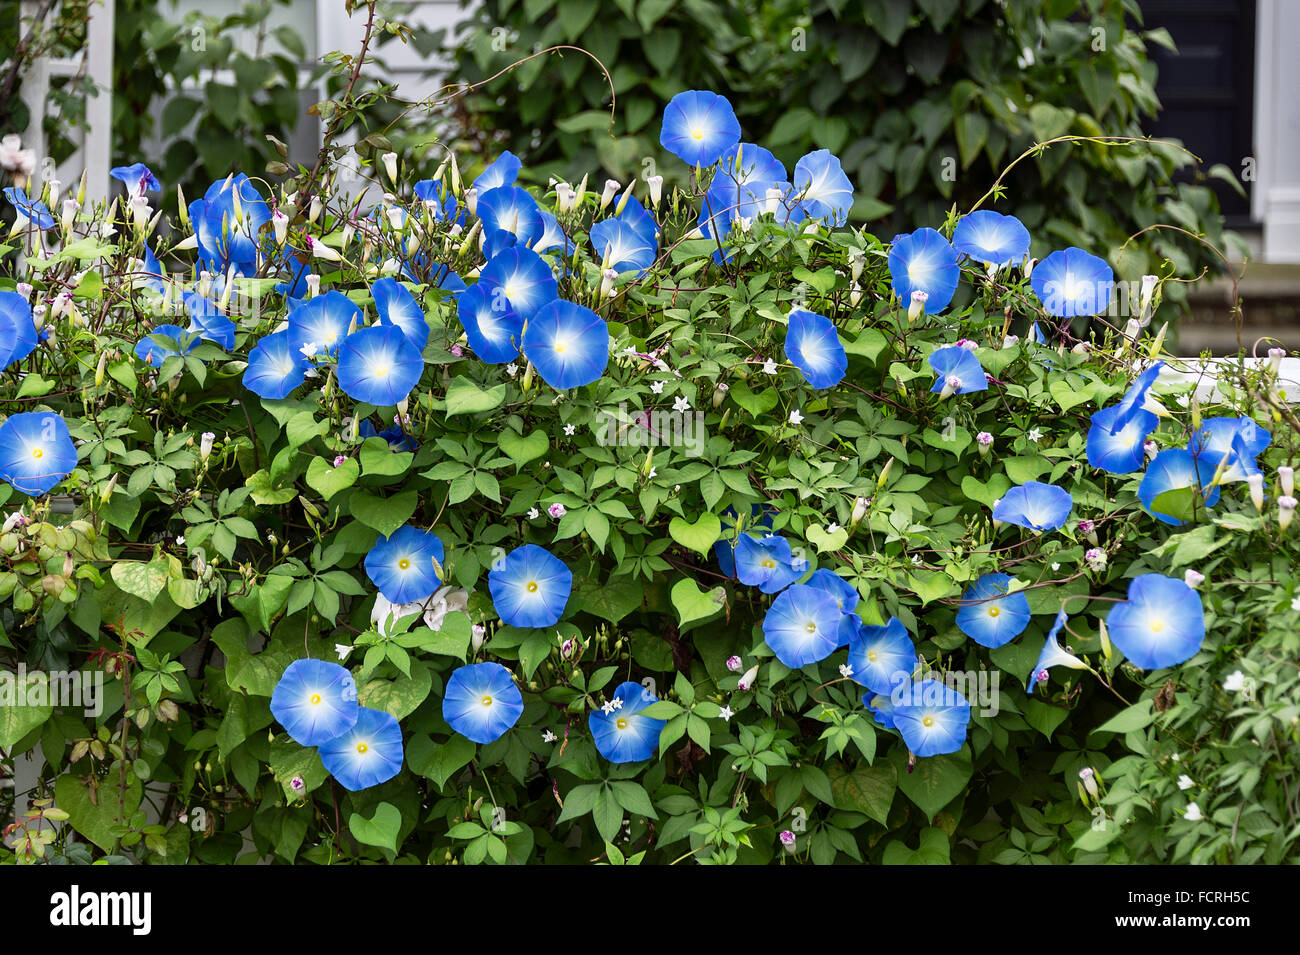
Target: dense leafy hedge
924, 101
201, 537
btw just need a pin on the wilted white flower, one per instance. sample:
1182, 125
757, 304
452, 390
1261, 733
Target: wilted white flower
769, 367
1193, 813
1193, 578
1185, 782
1234, 681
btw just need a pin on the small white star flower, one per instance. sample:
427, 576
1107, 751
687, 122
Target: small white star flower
796, 417
681, 404
1234, 682
653, 471
616, 703
832, 527
607, 707
726, 713
769, 367
342, 649
657, 387
1185, 782
533, 513
1295, 604
549, 737
512, 369
1193, 813
569, 429
1034, 435
846, 669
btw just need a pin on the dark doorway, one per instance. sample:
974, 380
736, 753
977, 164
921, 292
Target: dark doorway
1207, 88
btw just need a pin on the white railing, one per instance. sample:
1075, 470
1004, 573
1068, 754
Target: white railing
94, 61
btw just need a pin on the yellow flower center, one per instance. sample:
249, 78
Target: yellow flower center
810, 627
768, 563
927, 721
621, 722
561, 344
315, 699
872, 656
697, 134
362, 748
994, 611
404, 564
487, 700
532, 587
381, 371
1157, 626
38, 452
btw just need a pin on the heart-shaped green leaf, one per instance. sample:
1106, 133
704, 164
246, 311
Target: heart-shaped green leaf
327, 480
523, 448
139, 579
381, 829
826, 540
465, 397
756, 404
985, 492
699, 536
935, 781
16, 720
694, 605
384, 514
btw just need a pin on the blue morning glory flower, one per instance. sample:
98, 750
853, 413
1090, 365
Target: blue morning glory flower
802, 626
17, 328
1035, 505
1072, 282
275, 367
1119, 451
502, 172
33, 210
179, 342
882, 657
429, 191
323, 322
1135, 397
1052, 655
932, 718
366, 755
568, 344
315, 701
745, 173
510, 217
493, 328
378, 365
767, 562
991, 238
553, 238
881, 708
36, 451
523, 277
991, 615
228, 228
1239, 441
1173, 469
623, 734
725, 549
1160, 625
208, 322
401, 566
959, 371
813, 346
622, 247
844, 594
826, 192
137, 178
699, 127
482, 702
924, 261
397, 306
530, 587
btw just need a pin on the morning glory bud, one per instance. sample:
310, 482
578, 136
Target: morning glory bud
857, 261
622, 202
884, 473
349, 233
1150, 449
140, 211
1196, 412
917, 306
563, 197
787, 840
656, 184
317, 207
313, 285
1275, 356
1144, 300
1089, 530
1285, 510
205, 444
734, 664
471, 201
984, 441
720, 393
455, 175
612, 186
280, 222
1256, 483
25, 289
607, 282
746, 681
105, 494
70, 208
1286, 479
1158, 342
855, 295
1106, 649
581, 193
1096, 560
1028, 266
860, 505
950, 387
99, 368
55, 187
390, 166
1193, 578
1089, 780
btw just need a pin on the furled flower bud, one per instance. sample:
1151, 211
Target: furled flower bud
1089, 530
1286, 480
477, 634
720, 393
1089, 780
556, 511
1256, 484
1144, 300
747, 679
860, 505
612, 186
1193, 578
917, 305
390, 166
984, 441
656, 184
733, 662
313, 285
205, 444
1095, 558
787, 840
280, 222
1285, 510
1275, 356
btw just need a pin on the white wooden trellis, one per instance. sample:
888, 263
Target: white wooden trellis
94, 144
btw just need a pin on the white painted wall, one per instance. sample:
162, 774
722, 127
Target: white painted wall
1276, 200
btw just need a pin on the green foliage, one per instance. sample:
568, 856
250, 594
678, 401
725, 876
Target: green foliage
924, 101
